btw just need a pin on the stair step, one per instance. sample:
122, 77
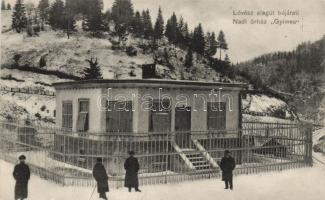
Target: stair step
196, 159
200, 162
202, 167
206, 170
193, 155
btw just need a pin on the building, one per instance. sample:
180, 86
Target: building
189, 111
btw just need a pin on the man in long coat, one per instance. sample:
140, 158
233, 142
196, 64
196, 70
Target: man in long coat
227, 165
101, 178
131, 166
21, 174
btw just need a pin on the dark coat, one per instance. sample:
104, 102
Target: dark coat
21, 174
227, 165
131, 166
101, 178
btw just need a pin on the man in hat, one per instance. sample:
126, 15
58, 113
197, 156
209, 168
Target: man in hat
21, 174
227, 165
131, 166
101, 178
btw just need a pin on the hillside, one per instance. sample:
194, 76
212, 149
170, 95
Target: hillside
299, 73
66, 59
34, 63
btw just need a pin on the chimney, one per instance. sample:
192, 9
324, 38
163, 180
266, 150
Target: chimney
149, 71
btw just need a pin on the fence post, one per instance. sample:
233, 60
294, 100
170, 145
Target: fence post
308, 132
167, 154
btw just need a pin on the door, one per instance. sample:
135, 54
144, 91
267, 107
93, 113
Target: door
183, 126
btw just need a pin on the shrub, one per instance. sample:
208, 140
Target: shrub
38, 116
16, 59
132, 73
131, 51
43, 108
42, 62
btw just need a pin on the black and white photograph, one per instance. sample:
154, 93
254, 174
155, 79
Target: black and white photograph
162, 100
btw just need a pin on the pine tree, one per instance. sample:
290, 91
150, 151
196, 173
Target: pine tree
44, 8
147, 24
211, 45
8, 6
93, 71
159, 26
182, 33
171, 29
187, 36
222, 44
121, 32
3, 5
137, 25
68, 23
189, 58
107, 17
207, 44
227, 59
19, 19
122, 11
94, 20
55, 15
198, 43
80, 6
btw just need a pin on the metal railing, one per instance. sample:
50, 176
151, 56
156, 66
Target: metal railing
67, 157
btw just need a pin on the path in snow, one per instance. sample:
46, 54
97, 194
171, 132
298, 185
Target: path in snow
306, 183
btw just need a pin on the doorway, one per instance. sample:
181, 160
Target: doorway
183, 126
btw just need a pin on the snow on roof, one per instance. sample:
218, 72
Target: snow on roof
141, 82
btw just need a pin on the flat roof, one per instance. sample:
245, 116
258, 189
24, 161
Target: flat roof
142, 83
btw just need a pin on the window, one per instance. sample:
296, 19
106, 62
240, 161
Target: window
119, 116
160, 116
67, 114
216, 115
83, 115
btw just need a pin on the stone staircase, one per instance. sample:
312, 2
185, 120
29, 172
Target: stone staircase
196, 158
199, 162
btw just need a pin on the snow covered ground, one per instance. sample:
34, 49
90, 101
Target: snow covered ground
306, 183
21, 106
264, 105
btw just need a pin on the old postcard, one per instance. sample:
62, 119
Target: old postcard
162, 100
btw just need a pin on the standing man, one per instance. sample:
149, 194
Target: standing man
131, 166
101, 178
227, 165
21, 174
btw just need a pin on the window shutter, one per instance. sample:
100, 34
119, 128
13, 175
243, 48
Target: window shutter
82, 124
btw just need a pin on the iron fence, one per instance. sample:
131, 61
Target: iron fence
67, 157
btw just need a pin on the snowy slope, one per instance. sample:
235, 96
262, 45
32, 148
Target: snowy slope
19, 106
263, 105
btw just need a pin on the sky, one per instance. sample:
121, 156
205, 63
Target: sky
245, 41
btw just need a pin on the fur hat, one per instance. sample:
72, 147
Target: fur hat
22, 157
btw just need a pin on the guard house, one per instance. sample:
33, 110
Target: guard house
190, 110
96, 106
